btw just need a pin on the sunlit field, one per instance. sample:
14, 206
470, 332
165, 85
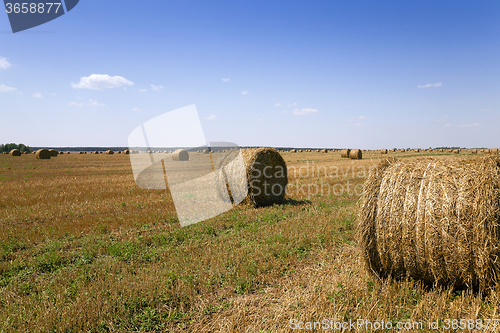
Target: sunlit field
84, 249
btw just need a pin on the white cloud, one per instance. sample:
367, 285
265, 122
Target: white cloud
53, 94
156, 88
75, 104
469, 125
4, 88
4, 64
359, 124
101, 81
302, 112
291, 105
244, 92
211, 117
431, 85
226, 79
277, 104
37, 95
361, 117
284, 111
136, 109
142, 90
94, 103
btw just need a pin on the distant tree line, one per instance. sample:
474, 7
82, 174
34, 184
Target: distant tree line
9, 146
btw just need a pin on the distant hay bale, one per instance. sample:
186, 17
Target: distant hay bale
15, 152
355, 154
324, 150
180, 155
81, 153
450, 150
96, 152
205, 151
403, 150
456, 151
344, 153
383, 151
53, 152
109, 152
416, 150
43, 154
430, 149
266, 175
126, 152
494, 151
433, 220
293, 151
473, 151
5, 153
393, 150
300, 150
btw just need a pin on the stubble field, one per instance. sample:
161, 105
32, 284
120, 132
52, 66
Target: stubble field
84, 249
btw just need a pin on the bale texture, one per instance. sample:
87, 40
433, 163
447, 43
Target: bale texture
344, 153
126, 152
180, 155
53, 152
473, 151
109, 152
324, 151
43, 154
383, 151
355, 154
456, 151
15, 152
494, 151
403, 150
434, 220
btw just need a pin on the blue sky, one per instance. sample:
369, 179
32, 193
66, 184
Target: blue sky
367, 74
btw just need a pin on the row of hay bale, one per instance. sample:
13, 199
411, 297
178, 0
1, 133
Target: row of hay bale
353, 154
436, 220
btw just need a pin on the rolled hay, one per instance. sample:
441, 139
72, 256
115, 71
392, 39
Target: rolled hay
26, 152
119, 152
393, 150
81, 153
109, 152
53, 152
126, 152
383, 151
430, 149
456, 151
266, 175
180, 155
205, 151
355, 154
403, 150
15, 152
416, 150
473, 151
434, 220
300, 150
96, 152
43, 154
5, 153
344, 153
494, 151
293, 151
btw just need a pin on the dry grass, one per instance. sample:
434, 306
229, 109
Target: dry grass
83, 248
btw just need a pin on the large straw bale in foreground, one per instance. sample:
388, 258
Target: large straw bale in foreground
434, 220
355, 154
344, 153
43, 154
15, 152
266, 173
180, 155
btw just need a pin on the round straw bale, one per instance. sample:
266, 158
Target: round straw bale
434, 220
180, 155
293, 151
43, 154
126, 152
81, 153
300, 150
266, 173
324, 150
383, 151
456, 151
355, 154
473, 151
15, 152
5, 153
344, 153
416, 150
53, 152
109, 152
494, 151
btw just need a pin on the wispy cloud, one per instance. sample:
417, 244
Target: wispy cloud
431, 85
75, 104
156, 88
356, 118
303, 112
4, 88
277, 104
4, 64
136, 109
359, 124
361, 117
142, 90
211, 117
244, 92
292, 105
53, 94
226, 79
469, 125
101, 81
37, 95
94, 103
